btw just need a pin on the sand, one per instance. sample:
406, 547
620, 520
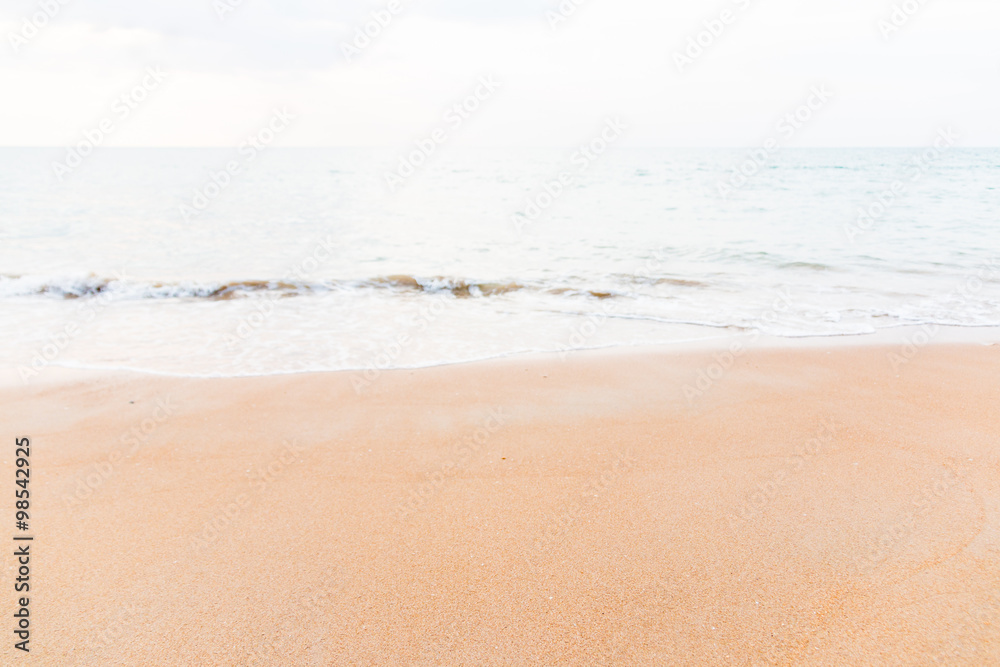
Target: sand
806, 507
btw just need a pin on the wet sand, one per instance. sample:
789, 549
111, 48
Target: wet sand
809, 506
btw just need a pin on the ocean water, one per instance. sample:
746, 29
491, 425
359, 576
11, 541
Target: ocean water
308, 259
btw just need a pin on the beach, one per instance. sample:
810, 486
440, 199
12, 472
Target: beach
500, 333
817, 506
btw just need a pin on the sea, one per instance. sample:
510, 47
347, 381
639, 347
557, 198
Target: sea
226, 262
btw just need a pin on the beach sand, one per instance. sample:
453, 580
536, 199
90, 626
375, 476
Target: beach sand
806, 507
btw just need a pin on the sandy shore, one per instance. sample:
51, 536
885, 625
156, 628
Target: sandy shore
818, 507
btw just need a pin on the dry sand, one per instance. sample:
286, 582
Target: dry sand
809, 507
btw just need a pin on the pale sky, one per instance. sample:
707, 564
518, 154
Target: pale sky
225, 76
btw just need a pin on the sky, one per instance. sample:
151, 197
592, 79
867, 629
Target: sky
892, 73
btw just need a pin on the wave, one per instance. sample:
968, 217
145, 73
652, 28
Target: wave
457, 287
813, 266
94, 286
80, 287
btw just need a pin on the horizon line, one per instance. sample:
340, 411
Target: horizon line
499, 147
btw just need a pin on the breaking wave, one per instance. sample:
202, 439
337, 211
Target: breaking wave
89, 286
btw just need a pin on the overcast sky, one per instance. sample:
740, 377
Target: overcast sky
559, 80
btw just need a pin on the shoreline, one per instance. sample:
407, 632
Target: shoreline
919, 336
811, 506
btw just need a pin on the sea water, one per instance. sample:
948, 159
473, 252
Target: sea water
170, 261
